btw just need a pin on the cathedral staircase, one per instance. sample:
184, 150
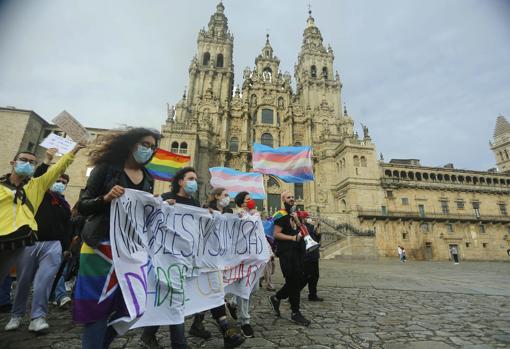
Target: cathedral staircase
346, 241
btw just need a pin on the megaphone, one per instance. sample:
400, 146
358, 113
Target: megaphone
310, 244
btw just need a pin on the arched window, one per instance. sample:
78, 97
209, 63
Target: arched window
271, 182
281, 103
234, 144
356, 161
206, 59
325, 73
219, 60
313, 71
175, 147
297, 144
387, 173
363, 161
267, 116
267, 74
298, 191
267, 139
184, 148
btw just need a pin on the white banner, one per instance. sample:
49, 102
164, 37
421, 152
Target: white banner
176, 260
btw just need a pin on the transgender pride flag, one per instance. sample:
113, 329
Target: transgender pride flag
235, 182
291, 164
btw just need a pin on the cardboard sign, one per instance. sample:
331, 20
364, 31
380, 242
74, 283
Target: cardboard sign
71, 127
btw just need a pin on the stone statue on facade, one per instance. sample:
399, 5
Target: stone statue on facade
365, 131
170, 111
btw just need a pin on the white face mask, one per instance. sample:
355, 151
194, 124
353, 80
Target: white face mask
224, 202
309, 220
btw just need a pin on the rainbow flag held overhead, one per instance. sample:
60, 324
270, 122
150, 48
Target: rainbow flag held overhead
291, 164
235, 182
165, 164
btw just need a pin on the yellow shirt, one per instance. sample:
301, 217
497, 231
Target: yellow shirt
15, 215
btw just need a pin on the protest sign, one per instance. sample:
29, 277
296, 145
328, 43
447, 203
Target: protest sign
71, 127
63, 145
176, 260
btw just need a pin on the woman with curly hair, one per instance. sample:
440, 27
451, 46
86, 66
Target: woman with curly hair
118, 165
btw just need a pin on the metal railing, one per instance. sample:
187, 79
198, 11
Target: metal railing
379, 214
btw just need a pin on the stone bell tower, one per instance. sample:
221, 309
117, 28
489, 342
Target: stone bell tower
501, 144
197, 123
314, 71
212, 68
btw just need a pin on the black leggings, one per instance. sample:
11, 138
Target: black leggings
291, 263
312, 277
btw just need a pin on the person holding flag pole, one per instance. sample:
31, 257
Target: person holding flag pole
290, 250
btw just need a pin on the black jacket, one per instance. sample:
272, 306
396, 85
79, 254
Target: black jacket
102, 179
53, 217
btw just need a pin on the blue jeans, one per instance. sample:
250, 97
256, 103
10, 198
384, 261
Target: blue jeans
37, 265
177, 335
98, 335
60, 290
5, 290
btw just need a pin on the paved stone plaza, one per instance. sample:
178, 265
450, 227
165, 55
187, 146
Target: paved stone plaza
369, 304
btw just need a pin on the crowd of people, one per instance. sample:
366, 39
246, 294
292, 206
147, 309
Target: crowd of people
49, 243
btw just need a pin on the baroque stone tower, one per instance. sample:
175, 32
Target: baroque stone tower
501, 144
217, 124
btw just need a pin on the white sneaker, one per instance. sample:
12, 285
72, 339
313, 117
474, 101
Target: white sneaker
37, 325
13, 323
64, 301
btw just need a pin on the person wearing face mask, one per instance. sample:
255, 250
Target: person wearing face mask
20, 198
245, 206
290, 249
39, 263
184, 187
219, 200
311, 259
119, 163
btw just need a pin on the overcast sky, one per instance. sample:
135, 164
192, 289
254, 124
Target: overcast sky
428, 78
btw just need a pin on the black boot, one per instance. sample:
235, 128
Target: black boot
231, 337
197, 328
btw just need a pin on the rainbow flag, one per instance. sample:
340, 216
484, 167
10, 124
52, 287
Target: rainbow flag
291, 164
97, 294
236, 181
165, 164
279, 214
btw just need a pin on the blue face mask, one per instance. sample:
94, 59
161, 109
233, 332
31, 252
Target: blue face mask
24, 169
142, 154
58, 188
191, 187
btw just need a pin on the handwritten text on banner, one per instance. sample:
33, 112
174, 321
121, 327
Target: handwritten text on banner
176, 260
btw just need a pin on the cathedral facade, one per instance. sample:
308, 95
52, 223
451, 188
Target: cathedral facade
368, 206
217, 123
